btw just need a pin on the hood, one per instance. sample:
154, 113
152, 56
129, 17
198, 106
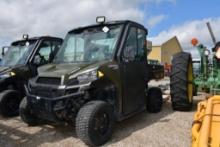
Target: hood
59, 70
4, 69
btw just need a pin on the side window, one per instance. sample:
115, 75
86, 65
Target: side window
45, 50
135, 45
56, 46
130, 49
49, 49
141, 38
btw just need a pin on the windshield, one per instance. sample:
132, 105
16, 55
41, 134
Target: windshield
17, 55
89, 45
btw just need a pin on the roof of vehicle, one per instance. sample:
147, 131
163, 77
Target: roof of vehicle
108, 23
34, 39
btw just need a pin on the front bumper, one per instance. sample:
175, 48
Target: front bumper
51, 106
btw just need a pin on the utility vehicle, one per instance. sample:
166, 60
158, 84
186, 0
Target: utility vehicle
99, 76
18, 64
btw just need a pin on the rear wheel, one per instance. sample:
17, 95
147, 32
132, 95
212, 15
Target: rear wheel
181, 82
154, 100
9, 103
94, 123
26, 115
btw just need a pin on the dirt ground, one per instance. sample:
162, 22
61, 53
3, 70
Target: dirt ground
165, 129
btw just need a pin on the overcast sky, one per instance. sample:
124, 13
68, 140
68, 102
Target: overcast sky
164, 18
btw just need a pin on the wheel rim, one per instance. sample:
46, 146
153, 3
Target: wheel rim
101, 123
190, 82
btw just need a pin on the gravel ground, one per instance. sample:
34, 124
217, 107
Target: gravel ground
164, 129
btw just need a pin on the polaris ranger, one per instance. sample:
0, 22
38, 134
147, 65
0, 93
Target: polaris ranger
99, 76
18, 64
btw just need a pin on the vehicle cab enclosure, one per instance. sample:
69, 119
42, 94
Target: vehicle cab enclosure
19, 63
100, 66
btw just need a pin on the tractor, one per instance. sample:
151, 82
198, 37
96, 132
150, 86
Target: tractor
185, 84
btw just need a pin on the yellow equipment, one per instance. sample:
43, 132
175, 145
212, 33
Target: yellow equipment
206, 125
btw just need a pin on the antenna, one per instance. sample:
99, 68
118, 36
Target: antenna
211, 32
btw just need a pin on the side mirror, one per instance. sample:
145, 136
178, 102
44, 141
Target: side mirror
4, 50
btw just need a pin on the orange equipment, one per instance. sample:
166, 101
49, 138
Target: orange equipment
206, 126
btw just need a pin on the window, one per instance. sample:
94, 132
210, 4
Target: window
48, 50
135, 44
131, 45
89, 45
141, 36
45, 50
74, 50
17, 54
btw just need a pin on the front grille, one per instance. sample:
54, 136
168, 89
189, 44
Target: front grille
50, 81
47, 92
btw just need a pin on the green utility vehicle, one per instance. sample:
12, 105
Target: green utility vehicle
19, 63
99, 76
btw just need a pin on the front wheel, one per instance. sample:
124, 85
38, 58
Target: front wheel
9, 103
94, 123
26, 115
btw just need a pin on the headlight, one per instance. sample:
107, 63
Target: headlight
87, 76
7, 75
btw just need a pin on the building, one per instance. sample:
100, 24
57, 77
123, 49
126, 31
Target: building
163, 53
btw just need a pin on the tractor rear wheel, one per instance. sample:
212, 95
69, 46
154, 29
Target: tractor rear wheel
181, 82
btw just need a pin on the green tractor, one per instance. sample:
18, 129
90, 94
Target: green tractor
184, 83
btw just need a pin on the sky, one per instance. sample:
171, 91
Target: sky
164, 19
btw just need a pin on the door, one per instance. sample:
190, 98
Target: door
134, 63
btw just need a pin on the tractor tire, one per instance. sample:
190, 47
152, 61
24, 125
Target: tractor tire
26, 115
181, 86
94, 123
154, 100
9, 103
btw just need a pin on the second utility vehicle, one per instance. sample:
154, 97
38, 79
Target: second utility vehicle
20, 63
100, 75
